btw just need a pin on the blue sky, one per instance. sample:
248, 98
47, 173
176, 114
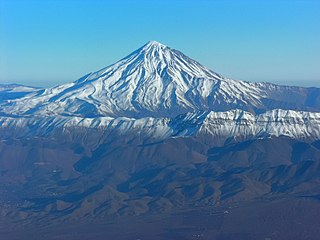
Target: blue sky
48, 42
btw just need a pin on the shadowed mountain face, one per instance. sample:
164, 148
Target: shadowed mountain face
52, 180
157, 146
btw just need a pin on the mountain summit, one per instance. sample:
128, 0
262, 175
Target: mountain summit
158, 81
159, 139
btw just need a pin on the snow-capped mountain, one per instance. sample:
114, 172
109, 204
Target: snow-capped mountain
222, 125
14, 91
158, 81
157, 132
162, 92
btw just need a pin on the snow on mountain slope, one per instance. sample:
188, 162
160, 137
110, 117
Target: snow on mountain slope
157, 81
294, 124
14, 91
159, 92
233, 123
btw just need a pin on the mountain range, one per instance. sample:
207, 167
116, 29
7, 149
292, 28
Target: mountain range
159, 140
160, 88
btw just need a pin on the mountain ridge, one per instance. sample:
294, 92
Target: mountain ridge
229, 124
158, 82
159, 139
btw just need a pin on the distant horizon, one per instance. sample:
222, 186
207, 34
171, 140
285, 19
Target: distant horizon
296, 83
43, 84
55, 42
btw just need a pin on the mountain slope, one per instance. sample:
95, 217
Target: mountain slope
14, 91
65, 180
157, 81
158, 138
237, 124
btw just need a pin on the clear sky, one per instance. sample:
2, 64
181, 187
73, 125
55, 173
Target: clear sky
48, 42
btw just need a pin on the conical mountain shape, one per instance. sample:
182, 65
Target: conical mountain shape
157, 81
